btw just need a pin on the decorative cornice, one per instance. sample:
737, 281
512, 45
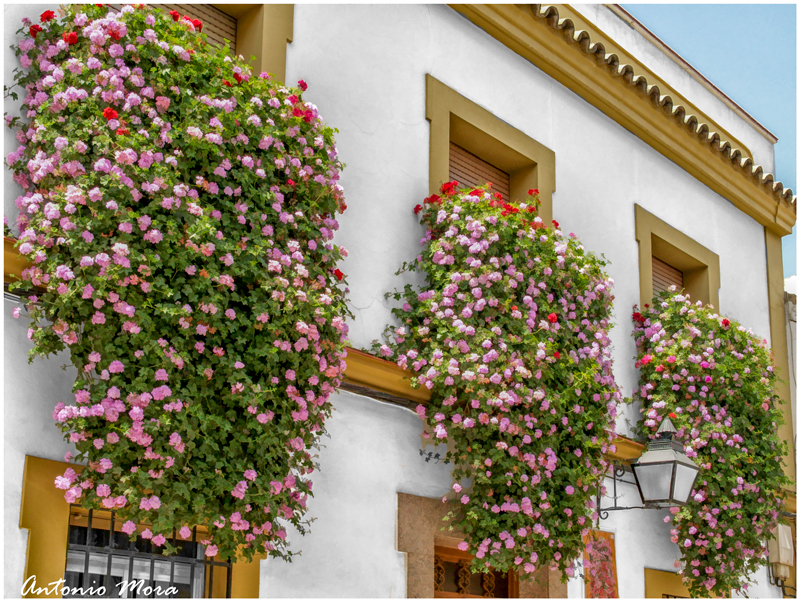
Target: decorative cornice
691, 70
578, 59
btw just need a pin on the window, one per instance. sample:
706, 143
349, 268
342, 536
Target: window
453, 578
471, 171
46, 517
665, 276
217, 25
457, 121
433, 560
667, 256
125, 566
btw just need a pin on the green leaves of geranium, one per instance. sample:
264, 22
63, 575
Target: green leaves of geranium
716, 381
194, 292
510, 337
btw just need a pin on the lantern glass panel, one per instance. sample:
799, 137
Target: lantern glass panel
654, 480
684, 479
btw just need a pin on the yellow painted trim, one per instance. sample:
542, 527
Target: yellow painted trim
657, 583
45, 514
790, 497
780, 347
699, 265
456, 118
369, 371
387, 377
579, 60
13, 261
690, 69
573, 12
262, 32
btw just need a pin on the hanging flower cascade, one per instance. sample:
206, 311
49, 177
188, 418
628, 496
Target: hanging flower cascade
715, 381
510, 335
179, 215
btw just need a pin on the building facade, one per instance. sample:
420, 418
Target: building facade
633, 150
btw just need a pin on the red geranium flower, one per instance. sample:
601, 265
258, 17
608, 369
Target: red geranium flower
557, 355
533, 191
637, 317
672, 415
238, 78
70, 37
198, 24
553, 318
449, 187
555, 223
122, 132
46, 16
417, 209
290, 182
514, 308
339, 275
110, 113
227, 83
302, 85
498, 196
34, 30
175, 15
476, 192
434, 199
114, 35
726, 322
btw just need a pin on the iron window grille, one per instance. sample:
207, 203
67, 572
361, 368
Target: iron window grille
101, 566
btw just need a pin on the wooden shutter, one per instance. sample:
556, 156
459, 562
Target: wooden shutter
216, 24
470, 171
664, 276
606, 572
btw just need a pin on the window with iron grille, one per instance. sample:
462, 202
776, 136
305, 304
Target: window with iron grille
453, 578
123, 566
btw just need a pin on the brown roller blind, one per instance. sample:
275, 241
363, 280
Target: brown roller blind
216, 24
470, 171
664, 276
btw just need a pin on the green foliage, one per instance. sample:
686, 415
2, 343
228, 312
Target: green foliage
715, 380
510, 336
179, 213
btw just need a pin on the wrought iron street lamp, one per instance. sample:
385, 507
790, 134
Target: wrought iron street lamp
665, 475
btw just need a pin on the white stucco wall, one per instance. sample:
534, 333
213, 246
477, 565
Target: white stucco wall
12, 21
366, 67
30, 392
351, 552
377, 100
